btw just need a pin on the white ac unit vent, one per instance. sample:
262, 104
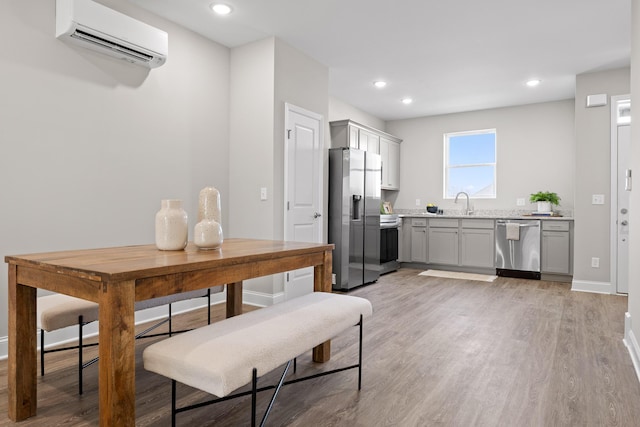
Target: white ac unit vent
94, 26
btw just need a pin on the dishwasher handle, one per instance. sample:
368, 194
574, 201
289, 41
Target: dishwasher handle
504, 224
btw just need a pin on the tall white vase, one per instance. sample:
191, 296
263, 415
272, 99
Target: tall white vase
207, 233
172, 228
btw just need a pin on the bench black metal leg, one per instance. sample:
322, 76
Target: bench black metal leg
208, 306
275, 394
173, 403
254, 394
360, 357
80, 367
42, 352
170, 323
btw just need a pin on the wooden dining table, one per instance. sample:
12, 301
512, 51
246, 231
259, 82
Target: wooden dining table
116, 278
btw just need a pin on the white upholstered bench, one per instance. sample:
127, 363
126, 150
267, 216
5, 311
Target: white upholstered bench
224, 356
57, 311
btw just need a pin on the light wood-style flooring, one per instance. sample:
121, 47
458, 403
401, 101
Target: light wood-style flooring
437, 352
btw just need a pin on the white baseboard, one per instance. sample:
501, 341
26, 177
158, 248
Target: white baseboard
261, 299
631, 343
591, 286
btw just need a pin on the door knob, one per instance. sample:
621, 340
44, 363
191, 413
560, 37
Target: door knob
625, 222
623, 211
317, 215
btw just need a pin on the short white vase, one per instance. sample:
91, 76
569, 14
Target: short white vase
172, 227
544, 207
207, 233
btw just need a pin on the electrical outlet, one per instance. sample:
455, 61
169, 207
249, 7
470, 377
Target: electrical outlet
595, 262
597, 199
520, 202
418, 202
263, 193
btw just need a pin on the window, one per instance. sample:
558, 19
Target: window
470, 164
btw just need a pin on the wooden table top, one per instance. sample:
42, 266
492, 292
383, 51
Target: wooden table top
134, 262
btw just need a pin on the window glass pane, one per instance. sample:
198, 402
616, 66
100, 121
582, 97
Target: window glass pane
472, 149
477, 181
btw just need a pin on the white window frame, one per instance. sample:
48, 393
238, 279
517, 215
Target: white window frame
446, 167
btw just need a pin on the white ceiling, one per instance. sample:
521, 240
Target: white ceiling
448, 55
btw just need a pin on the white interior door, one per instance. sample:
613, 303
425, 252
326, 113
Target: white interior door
621, 144
303, 189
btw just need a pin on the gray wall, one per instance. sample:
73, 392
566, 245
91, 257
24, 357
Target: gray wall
90, 144
534, 152
265, 75
593, 176
340, 110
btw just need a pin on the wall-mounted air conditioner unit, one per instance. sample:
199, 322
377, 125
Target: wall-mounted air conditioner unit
94, 26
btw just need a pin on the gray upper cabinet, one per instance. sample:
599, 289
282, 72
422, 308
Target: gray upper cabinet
556, 247
347, 133
390, 154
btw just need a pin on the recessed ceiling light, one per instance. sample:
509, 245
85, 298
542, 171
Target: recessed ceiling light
221, 9
379, 84
534, 82
407, 101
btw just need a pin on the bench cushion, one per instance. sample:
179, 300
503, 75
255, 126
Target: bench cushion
59, 311
219, 358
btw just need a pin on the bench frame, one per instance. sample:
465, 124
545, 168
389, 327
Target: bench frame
80, 346
255, 390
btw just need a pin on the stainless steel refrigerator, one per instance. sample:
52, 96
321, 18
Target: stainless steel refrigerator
355, 177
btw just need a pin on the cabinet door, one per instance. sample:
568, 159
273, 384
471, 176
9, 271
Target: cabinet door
353, 137
390, 155
404, 240
477, 247
443, 246
556, 252
384, 157
369, 142
419, 244
393, 168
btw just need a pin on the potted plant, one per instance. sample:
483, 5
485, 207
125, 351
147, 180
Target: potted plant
544, 199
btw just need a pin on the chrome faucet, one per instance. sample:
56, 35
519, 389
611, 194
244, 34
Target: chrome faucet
467, 211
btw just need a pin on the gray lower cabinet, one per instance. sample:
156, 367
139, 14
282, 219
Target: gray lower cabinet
418, 240
477, 243
443, 241
556, 247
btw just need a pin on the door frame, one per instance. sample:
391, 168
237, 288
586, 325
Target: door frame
613, 245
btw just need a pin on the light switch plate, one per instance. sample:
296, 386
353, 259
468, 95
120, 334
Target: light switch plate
263, 193
597, 199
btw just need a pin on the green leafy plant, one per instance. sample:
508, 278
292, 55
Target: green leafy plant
545, 196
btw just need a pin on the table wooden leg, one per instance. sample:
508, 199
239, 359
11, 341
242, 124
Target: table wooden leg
234, 299
322, 283
21, 374
117, 354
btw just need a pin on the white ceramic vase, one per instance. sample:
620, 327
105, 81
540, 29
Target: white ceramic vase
207, 233
209, 205
544, 207
172, 228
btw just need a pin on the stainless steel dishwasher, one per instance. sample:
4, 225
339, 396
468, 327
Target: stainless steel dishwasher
518, 248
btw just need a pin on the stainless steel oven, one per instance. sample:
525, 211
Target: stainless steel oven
389, 225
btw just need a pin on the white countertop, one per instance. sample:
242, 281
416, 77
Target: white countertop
481, 215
